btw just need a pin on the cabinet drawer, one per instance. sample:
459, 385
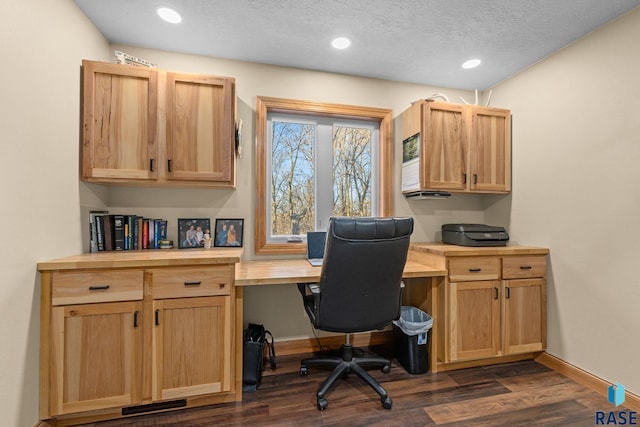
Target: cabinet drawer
192, 281
522, 267
474, 268
83, 287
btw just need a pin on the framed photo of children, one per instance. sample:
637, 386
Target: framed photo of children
192, 232
229, 232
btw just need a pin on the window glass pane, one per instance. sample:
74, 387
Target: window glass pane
351, 171
292, 178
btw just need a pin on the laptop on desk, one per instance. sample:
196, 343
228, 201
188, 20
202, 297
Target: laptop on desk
315, 247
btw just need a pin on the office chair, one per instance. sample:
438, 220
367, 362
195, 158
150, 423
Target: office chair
359, 290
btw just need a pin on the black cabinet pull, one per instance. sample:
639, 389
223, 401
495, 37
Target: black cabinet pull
193, 283
135, 318
496, 294
475, 178
169, 165
475, 270
464, 178
151, 164
157, 317
99, 288
508, 293
525, 267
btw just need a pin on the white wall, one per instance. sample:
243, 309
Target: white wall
43, 43
576, 147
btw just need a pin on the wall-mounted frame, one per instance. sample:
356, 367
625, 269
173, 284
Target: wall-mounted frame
229, 233
191, 232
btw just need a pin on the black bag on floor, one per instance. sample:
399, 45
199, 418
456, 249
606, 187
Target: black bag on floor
255, 338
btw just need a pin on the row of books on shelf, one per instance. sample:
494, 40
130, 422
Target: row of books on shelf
118, 232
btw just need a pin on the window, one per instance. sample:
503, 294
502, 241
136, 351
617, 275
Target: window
314, 161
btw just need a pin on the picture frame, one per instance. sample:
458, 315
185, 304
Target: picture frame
229, 232
192, 231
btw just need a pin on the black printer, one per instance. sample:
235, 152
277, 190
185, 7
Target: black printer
474, 235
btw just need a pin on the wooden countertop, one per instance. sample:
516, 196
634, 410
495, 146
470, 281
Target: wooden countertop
145, 258
445, 249
284, 271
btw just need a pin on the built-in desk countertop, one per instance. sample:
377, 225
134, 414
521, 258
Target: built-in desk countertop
284, 271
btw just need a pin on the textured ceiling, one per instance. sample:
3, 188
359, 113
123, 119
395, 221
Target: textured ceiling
419, 41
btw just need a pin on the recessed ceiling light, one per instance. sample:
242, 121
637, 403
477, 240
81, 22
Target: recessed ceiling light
472, 63
169, 15
341, 43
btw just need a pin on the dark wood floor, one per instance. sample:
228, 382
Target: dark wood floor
515, 394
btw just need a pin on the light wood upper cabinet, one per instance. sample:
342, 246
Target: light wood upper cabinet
490, 150
200, 137
463, 148
119, 122
153, 127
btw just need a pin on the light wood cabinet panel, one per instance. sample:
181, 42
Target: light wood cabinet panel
191, 347
89, 286
490, 149
524, 315
444, 147
522, 267
474, 320
187, 282
119, 122
200, 128
95, 356
474, 268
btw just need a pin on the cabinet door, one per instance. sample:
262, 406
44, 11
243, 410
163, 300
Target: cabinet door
525, 315
474, 320
191, 347
95, 356
119, 129
444, 147
200, 128
490, 148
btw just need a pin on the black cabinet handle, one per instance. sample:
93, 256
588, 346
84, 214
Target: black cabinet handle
99, 288
525, 267
193, 283
135, 318
169, 165
151, 164
496, 294
464, 178
475, 178
157, 317
475, 270
508, 293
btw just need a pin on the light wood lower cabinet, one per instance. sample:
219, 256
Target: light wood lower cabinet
122, 341
95, 356
191, 347
487, 318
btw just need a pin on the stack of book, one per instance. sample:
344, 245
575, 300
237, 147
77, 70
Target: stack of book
124, 232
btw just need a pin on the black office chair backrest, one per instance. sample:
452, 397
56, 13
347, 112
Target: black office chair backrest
362, 273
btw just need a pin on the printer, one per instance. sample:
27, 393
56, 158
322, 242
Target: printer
474, 235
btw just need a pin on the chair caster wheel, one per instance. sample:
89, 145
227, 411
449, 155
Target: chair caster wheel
304, 370
386, 402
386, 369
322, 404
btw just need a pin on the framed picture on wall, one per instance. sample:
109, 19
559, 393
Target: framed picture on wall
191, 232
228, 233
